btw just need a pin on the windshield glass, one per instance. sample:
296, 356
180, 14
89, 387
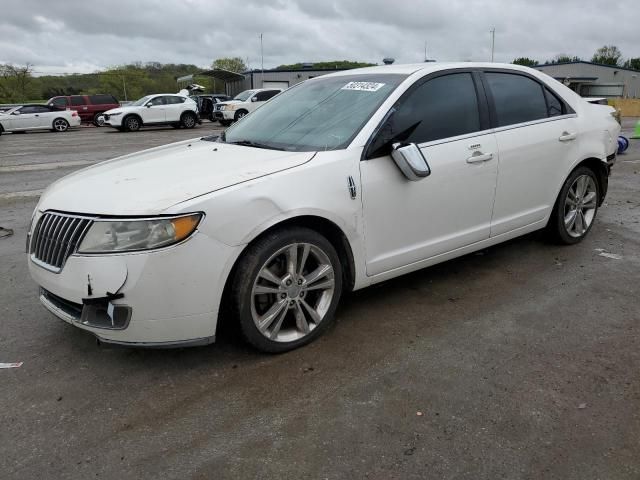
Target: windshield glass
141, 102
242, 96
325, 113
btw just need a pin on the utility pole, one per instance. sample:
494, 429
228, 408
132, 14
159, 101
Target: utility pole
124, 87
493, 42
262, 59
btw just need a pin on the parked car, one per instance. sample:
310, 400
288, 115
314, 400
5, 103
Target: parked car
89, 107
37, 117
340, 182
162, 109
207, 102
242, 104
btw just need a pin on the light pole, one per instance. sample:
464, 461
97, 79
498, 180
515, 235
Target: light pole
262, 59
493, 42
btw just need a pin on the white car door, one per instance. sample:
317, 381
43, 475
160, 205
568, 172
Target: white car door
174, 108
406, 222
25, 118
537, 140
43, 117
155, 110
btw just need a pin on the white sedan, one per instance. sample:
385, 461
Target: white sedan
38, 117
338, 183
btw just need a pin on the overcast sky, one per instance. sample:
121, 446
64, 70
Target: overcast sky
85, 35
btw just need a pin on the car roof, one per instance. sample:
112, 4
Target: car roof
427, 67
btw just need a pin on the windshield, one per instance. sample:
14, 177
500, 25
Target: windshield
141, 102
320, 114
242, 96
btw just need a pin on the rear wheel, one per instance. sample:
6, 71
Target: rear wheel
188, 120
60, 125
286, 289
132, 123
576, 207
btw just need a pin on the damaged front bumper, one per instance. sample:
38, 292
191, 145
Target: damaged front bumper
162, 298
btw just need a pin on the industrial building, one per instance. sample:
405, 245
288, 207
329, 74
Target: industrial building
595, 80
237, 82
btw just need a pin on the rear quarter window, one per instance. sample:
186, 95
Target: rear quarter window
517, 99
102, 99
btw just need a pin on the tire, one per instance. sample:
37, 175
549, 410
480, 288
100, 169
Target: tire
96, 122
225, 123
239, 114
302, 305
60, 125
576, 207
1, 130
132, 123
188, 120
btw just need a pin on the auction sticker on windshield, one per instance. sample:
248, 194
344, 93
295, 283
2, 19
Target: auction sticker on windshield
363, 86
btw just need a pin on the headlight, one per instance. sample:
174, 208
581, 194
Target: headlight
114, 114
230, 107
112, 236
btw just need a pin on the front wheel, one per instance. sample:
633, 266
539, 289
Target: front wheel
60, 125
132, 124
239, 114
286, 289
576, 207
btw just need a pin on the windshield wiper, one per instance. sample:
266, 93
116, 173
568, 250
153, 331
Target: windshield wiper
249, 143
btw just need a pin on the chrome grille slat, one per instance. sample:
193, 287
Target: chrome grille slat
56, 238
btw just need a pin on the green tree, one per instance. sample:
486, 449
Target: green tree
16, 83
608, 55
564, 58
632, 63
526, 61
234, 64
334, 64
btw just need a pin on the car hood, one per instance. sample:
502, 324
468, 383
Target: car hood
151, 181
120, 110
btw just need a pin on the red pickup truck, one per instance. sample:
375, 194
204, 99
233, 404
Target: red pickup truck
89, 107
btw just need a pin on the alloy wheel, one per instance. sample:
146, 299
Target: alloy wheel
60, 125
292, 292
580, 206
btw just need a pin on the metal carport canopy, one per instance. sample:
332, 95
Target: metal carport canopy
224, 75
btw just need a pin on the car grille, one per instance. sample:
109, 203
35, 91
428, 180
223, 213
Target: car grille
106, 117
218, 108
56, 237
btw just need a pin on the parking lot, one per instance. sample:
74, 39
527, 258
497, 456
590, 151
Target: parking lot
520, 361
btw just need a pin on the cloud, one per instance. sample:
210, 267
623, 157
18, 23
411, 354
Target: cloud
85, 35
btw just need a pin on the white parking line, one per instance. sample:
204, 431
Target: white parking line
44, 166
23, 194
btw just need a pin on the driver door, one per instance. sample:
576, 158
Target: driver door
409, 221
156, 110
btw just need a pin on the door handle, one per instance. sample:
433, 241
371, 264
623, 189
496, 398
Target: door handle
37, 115
567, 137
479, 157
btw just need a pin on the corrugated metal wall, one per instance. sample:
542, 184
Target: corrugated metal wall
255, 78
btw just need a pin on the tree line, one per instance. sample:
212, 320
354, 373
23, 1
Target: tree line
606, 55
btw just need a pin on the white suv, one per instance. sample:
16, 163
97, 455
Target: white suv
243, 103
163, 109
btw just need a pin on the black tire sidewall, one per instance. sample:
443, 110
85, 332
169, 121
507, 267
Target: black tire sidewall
126, 124
559, 229
250, 264
187, 115
240, 114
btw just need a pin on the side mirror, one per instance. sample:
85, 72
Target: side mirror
148, 105
16, 113
410, 161
254, 99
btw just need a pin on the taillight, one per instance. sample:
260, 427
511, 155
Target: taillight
74, 114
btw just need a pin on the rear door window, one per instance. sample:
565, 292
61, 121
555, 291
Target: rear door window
174, 100
102, 100
266, 95
77, 100
517, 99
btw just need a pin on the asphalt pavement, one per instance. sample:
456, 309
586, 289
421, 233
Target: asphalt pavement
519, 362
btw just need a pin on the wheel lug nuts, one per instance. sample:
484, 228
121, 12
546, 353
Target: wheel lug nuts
301, 294
283, 295
291, 303
288, 282
299, 282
